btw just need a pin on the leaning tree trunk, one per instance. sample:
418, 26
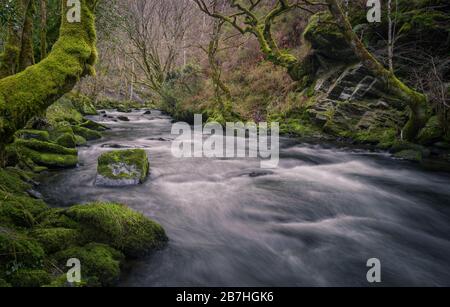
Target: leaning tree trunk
417, 102
31, 91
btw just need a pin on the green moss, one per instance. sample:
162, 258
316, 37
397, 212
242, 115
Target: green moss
50, 160
63, 111
326, 38
293, 126
16, 207
61, 282
87, 134
80, 141
46, 147
55, 239
11, 181
67, 140
410, 155
55, 218
384, 138
30, 278
83, 104
117, 225
19, 251
100, 264
89, 124
33, 152
432, 132
110, 164
19, 210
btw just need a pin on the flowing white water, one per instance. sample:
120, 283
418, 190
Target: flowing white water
314, 221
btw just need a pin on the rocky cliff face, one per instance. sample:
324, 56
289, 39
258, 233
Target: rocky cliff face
346, 99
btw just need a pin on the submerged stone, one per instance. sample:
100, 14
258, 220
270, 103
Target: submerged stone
122, 168
410, 155
123, 118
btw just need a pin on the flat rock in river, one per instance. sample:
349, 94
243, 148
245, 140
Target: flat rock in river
122, 168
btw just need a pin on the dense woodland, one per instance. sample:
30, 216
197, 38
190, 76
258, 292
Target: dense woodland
319, 68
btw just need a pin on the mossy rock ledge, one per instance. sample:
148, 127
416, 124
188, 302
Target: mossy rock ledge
122, 168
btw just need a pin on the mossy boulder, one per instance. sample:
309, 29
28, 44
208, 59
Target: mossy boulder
63, 111
46, 147
67, 140
86, 133
80, 141
56, 239
100, 264
29, 278
89, 124
50, 159
117, 225
122, 168
432, 132
410, 155
83, 104
326, 39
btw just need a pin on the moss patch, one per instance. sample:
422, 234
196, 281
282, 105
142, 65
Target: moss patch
86, 133
89, 124
40, 135
18, 251
432, 132
117, 225
410, 155
67, 140
55, 239
30, 278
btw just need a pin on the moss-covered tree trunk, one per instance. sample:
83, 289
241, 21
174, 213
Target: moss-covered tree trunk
26, 57
31, 91
417, 102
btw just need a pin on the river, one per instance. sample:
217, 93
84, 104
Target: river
313, 221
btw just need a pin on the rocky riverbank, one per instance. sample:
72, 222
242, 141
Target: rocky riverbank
36, 241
